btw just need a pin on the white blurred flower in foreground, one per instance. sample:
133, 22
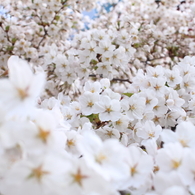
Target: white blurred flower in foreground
184, 134
101, 156
170, 157
41, 176
140, 167
19, 92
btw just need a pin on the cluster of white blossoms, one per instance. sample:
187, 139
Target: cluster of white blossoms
97, 107
140, 142
68, 45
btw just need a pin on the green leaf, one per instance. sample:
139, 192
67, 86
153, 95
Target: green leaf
93, 118
57, 17
7, 28
136, 45
177, 87
94, 62
14, 40
10, 48
128, 94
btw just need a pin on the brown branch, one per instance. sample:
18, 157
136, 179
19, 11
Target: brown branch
122, 80
114, 79
43, 38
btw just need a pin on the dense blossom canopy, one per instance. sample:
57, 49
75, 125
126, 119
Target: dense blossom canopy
100, 106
